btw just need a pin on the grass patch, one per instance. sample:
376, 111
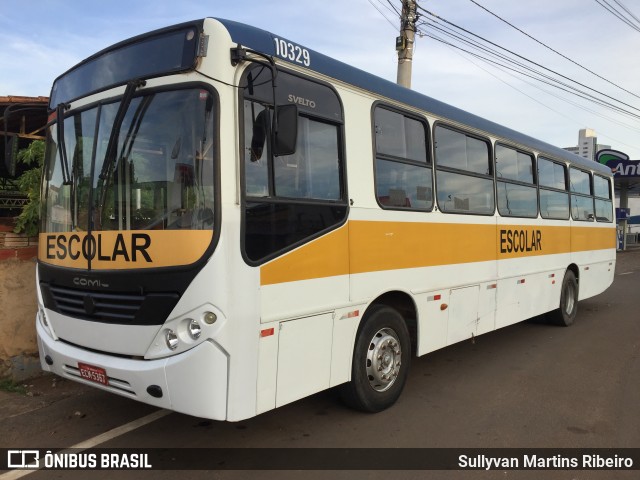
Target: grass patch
12, 387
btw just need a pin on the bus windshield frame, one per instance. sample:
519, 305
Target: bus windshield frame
159, 53
162, 179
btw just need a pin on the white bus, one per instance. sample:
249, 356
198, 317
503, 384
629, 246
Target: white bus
232, 222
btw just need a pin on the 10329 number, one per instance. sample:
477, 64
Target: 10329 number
293, 53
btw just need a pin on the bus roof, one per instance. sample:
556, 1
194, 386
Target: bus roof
263, 41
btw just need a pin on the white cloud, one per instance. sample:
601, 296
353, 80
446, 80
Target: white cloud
29, 67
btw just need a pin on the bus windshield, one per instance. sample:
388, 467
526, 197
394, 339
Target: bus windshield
160, 178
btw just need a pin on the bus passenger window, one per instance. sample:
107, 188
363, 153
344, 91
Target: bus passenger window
464, 181
554, 199
581, 199
517, 196
403, 177
552, 174
603, 204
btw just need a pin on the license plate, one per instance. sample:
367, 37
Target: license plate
93, 374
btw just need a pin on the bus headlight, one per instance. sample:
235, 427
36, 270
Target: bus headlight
210, 318
171, 339
44, 321
186, 331
194, 329
43, 318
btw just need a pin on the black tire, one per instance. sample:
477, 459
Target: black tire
566, 314
381, 360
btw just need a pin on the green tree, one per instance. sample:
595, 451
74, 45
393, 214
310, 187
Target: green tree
29, 182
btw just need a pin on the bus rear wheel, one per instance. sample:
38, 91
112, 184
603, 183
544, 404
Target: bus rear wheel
380, 361
566, 314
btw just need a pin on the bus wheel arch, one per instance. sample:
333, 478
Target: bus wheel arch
381, 354
576, 271
566, 314
405, 305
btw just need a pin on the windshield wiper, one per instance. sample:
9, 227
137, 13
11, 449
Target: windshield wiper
112, 146
62, 148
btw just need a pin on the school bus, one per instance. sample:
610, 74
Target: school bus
232, 221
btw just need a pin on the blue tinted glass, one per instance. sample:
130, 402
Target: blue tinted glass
582, 208
160, 54
517, 200
457, 150
399, 136
554, 204
580, 182
402, 185
551, 174
464, 193
513, 165
601, 187
604, 210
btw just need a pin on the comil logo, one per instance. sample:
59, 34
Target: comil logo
29, 459
88, 282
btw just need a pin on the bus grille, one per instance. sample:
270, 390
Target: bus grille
123, 308
100, 305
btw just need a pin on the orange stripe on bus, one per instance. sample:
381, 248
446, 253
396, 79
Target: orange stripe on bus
583, 238
368, 246
378, 246
325, 257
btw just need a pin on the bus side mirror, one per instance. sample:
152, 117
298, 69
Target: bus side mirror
286, 134
260, 128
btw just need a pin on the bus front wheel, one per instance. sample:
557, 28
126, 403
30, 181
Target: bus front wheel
566, 314
380, 361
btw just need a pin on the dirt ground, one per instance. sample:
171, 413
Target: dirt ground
18, 306
37, 393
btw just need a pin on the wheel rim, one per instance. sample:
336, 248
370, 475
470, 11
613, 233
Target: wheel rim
384, 359
569, 299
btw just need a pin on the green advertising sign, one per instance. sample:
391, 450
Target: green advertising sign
619, 163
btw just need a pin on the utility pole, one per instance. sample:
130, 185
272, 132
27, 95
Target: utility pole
405, 42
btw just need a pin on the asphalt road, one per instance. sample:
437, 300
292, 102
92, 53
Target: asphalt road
530, 385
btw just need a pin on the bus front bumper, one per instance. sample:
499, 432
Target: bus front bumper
193, 382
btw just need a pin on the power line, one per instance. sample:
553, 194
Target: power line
519, 66
627, 10
541, 77
503, 57
382, 13
562, 114
554, 50
528, 60
475, 44
612, 10
394, 8
559, 85
620, 16
533, 85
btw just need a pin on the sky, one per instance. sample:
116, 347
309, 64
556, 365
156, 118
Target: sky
40, 39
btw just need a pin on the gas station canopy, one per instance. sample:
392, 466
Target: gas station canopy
626, 180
